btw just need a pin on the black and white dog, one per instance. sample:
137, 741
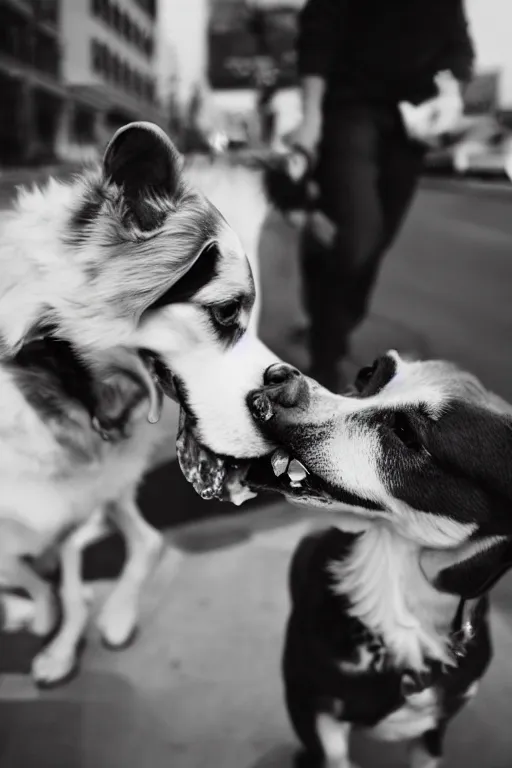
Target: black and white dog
388, 629
120, 287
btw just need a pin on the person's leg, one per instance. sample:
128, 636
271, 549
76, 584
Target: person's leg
368, 172
341, 240
400, 168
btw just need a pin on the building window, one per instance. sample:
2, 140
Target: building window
136, 35
127, 77
117, 21
16, 38
46, 10
83, 125
149, 6
150, 90
116, 69
46, 53
107, 63
125, 25
106, 12
129, 29
97, 57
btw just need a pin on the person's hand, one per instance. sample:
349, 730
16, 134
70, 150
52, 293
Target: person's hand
448, 105
441, 115
307, 134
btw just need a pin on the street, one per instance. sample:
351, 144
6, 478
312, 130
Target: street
200, 686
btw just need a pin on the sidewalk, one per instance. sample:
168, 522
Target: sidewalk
201, 684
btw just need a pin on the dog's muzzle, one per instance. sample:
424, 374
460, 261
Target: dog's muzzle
227, 479
212, 476
237, 480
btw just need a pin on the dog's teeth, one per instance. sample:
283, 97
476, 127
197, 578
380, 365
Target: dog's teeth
296, 471
280, 460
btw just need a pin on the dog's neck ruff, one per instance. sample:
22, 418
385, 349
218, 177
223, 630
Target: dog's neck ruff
389, 594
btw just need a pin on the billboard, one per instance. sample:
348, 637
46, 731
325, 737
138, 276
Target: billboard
246, 47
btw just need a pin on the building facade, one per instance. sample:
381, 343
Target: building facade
31, 90
108, 65
70, 72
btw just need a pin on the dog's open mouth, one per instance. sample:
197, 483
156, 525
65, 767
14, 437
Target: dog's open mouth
281, 472
238, 480
212, 476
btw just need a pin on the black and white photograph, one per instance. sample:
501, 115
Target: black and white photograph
255, 383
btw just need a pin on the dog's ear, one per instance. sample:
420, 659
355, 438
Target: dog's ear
471, 570
143, 161
474, 443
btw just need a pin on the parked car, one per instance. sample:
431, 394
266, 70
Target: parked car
482, 147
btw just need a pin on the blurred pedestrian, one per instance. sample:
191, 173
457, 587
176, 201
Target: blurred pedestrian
267, 111
364, 66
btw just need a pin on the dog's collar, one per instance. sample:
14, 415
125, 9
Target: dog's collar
463, 632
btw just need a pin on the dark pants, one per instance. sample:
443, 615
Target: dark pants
367, 173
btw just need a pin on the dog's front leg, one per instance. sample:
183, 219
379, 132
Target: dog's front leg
334, 738
117, 620
40, 613
57, 662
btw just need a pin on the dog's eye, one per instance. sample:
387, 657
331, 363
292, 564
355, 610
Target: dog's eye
402, 427
227, 314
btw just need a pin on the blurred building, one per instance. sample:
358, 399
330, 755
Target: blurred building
251, 42
71, 71
491, 22
31, 90
182, 56
108, 64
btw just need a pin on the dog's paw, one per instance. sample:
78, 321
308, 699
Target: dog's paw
17, 613
118, 619
55, 665
117, 622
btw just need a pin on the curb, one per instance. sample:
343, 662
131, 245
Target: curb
465, 184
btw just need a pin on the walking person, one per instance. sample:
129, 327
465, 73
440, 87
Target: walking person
359, 61
267, 112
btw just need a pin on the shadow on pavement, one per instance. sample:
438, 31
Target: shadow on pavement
168, 502
61, 728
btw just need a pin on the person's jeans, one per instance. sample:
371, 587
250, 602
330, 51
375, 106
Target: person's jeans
367, 174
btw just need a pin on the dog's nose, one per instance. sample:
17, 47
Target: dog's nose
280, 373
284, 386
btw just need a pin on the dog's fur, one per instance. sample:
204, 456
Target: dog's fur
115, 287
388, 629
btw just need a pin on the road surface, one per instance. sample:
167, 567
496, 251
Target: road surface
201, 687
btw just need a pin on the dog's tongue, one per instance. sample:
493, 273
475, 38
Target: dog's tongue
211, 476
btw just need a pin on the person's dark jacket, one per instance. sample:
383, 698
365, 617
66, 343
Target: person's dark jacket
383, 50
